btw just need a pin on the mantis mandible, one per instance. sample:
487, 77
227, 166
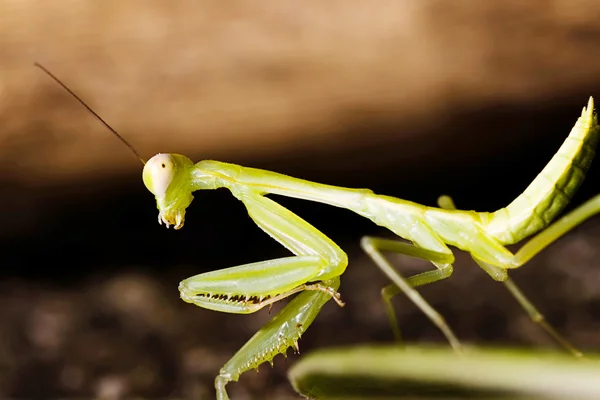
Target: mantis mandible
317, 263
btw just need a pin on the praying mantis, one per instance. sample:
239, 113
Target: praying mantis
314, 270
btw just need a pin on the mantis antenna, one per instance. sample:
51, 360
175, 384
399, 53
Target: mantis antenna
110, 128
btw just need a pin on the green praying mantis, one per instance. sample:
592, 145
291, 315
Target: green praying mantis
314, 270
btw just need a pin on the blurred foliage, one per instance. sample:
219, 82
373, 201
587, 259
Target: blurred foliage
394, 372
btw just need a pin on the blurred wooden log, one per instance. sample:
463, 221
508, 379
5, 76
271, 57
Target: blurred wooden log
239, 81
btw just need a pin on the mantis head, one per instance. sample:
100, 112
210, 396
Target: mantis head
167, 177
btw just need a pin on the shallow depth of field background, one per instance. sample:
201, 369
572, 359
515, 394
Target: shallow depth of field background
412, 99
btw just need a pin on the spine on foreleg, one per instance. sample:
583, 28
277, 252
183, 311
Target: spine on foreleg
553, 188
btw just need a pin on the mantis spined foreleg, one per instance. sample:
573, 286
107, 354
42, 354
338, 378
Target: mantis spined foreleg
318, 263
275, 337
317, 260
248, 288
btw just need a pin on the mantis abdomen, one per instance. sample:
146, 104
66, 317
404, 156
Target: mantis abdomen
553, 188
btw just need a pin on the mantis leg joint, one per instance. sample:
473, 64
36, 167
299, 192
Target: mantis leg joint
335, 295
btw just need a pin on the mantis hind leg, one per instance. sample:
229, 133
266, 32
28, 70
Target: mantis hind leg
374, 246
501, 275
534, 314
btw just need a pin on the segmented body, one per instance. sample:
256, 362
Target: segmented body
553, 188
317, 258
483, 234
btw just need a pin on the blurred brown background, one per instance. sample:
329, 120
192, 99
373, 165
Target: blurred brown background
412, 99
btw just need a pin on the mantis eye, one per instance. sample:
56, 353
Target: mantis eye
158, 174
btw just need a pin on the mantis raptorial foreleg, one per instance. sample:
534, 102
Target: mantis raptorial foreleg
275, 337
374, 246
537, 244
250, 287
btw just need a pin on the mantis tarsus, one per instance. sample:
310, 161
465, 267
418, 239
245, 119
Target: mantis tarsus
315, 269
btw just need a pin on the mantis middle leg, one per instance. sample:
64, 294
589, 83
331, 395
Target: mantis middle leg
501, 275
443, 261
